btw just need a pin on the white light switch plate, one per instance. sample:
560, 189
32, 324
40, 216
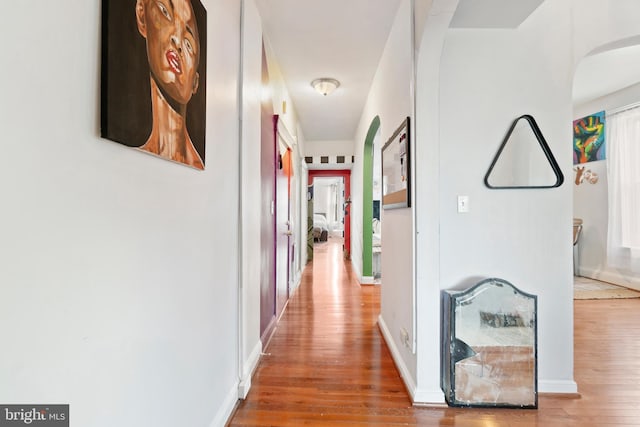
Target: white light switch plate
463, 204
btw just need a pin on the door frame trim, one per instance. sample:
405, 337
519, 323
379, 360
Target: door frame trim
338, 173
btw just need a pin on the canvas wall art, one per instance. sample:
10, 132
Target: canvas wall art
154, 56
589, 138
396, 169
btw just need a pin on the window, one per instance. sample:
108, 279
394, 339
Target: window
623, 141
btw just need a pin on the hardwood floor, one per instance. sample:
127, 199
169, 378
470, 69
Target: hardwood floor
328, 365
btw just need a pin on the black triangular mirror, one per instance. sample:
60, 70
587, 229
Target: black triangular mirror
524, 159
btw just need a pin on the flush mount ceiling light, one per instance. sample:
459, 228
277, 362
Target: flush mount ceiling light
325, 86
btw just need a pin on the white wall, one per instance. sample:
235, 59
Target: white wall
303, 223
119, 269
390, 99
329, 148
377, 167
508, 233
289, 125
590, 202
322, 195
250, 148
484, 80
280, 95
427, 200
298, 222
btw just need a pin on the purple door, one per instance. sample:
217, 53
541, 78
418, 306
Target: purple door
267, 224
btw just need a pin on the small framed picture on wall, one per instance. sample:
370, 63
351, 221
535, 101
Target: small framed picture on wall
396, 169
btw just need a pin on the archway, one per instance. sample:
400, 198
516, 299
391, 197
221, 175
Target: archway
367, 199
605, 99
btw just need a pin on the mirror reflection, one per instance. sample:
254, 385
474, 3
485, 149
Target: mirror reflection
492, 346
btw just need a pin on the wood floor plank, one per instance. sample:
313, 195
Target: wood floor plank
327, 365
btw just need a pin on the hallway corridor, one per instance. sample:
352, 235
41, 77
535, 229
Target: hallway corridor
327, 361
328, 365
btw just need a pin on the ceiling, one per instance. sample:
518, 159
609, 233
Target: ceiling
345, 39
606, 72
482, 14
341, 39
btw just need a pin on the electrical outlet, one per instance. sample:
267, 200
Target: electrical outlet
404, 337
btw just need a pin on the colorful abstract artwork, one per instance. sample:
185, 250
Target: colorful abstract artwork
589, 138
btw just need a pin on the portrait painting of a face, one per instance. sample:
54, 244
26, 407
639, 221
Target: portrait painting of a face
154, 77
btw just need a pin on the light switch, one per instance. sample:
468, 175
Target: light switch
463, 204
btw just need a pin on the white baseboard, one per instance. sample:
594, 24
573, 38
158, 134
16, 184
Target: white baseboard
557, 387
429, 398
609, 276
297, 279
436, 397
355, 269
243, 388
250, 366
367, 280
397, 359
226, 409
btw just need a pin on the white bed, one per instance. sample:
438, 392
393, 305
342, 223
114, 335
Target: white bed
320, 227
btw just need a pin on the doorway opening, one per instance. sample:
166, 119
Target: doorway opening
329, 208
600, 261
371, 196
